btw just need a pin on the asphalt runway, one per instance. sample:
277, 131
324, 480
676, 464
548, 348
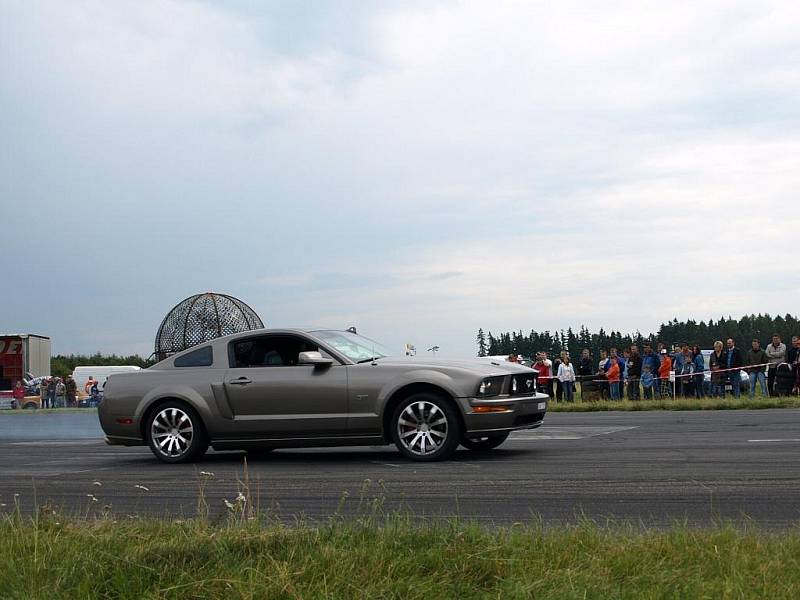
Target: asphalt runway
645, 467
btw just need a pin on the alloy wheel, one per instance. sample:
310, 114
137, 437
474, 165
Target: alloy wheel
422, 428
172, 432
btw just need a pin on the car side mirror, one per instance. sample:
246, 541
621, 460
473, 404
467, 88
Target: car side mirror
314, 358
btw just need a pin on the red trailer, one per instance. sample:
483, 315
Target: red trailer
22, 356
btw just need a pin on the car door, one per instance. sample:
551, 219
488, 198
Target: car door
272, 396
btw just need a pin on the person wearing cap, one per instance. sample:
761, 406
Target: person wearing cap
663, 373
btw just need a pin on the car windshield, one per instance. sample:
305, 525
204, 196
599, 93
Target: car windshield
355, 347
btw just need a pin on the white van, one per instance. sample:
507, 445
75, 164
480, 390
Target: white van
81, 375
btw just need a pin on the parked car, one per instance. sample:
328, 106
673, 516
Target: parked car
99, 374
271, 389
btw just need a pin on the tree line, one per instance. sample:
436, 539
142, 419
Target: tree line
64, 364
702, 334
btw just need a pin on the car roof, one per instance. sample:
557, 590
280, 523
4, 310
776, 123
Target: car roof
241, 334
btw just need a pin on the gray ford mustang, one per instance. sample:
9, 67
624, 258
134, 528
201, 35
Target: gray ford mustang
272, 388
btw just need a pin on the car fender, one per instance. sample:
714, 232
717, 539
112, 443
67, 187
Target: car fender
180, 392
428, 376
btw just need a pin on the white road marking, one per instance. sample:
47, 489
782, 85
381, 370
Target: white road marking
776, 440
577, 432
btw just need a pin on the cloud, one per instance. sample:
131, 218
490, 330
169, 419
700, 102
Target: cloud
419, 169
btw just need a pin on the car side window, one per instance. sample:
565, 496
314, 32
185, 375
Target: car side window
202, 357
269, 351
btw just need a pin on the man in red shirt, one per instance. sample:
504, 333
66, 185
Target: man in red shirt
543, 377
18, 394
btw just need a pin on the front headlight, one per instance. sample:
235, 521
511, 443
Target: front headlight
491, 386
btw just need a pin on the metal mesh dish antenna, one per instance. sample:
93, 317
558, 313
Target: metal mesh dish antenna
200, 318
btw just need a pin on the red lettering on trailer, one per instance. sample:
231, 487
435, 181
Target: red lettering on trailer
10, 346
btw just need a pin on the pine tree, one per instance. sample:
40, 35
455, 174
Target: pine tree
482, 346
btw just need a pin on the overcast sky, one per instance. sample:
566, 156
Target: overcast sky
418, 169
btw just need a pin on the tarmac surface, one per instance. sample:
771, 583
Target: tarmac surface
649, 468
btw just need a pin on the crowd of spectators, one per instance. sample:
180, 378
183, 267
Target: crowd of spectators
58, 392
682, 371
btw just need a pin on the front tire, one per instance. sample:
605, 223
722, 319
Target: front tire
176, 434
484, 443
426, 427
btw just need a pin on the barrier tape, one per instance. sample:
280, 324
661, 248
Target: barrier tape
672, 376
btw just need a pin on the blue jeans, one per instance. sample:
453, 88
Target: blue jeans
615, 385
762, 380
567, 389
736, 383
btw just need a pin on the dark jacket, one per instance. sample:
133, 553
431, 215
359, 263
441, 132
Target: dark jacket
586, 366
792, 354
635, 365
757, 357
736, 359
718, 362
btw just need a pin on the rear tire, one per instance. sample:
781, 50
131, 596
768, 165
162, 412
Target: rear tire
426, 427
175, 433
484, 443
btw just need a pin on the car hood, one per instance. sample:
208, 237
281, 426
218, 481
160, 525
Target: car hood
475, 365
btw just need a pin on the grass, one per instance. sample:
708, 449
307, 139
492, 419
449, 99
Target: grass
399, 557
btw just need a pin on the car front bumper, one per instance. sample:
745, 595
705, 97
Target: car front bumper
504, 413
